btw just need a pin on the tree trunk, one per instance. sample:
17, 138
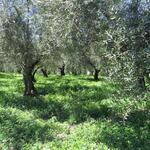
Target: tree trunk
62, 70
29, 85
28, 77
146, 74
33, 75
141, 83
33, 78
96, 74
44, 72
140, 73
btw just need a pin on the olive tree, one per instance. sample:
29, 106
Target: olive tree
128, 40
88, 33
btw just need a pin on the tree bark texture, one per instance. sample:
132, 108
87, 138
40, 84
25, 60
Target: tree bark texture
28, 77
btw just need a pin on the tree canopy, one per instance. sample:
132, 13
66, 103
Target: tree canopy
106, 37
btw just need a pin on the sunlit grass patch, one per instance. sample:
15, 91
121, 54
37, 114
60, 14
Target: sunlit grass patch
72, 113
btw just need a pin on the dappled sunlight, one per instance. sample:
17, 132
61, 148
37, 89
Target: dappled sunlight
74, 75
71, 111
23, 127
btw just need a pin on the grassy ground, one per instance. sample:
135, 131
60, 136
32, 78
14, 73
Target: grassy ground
71, 113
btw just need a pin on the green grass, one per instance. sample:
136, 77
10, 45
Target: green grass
72, 113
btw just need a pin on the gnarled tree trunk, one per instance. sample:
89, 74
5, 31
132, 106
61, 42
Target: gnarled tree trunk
28, 77
29, 84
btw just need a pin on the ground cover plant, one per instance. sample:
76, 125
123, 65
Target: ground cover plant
72, 113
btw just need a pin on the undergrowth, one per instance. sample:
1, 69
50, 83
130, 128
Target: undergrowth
72, 113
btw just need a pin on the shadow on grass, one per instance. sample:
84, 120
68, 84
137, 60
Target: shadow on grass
64, 98
19, 127
130, 135
139, 118
65, 85
80, 103
77, 102
43, 109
